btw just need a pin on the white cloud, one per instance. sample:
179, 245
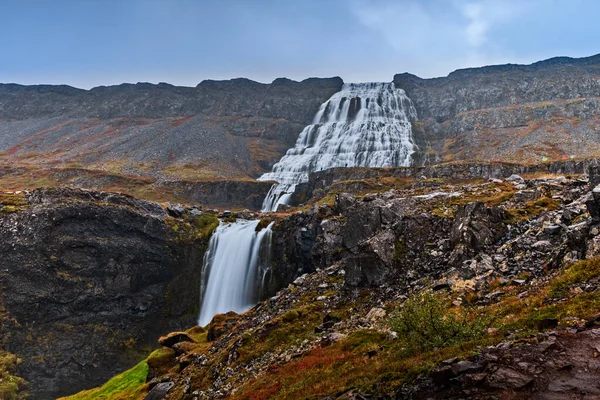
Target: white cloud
450, 33
482, 16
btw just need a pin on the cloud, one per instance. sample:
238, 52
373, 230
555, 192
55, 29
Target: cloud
482, 16
441, 35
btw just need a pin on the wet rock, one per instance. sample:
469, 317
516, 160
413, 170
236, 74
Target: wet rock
476, 226
370, 197
515, 179
332, 338
523, 196
376, 313
442, 375
464, 367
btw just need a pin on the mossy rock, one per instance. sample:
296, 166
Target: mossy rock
220, 324
290, 316
197, 333
161, 360
174, 338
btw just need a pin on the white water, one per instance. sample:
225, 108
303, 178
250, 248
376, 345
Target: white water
233, 274
363, 125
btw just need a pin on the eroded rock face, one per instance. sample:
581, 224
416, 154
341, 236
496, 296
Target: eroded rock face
87, 280
529, 106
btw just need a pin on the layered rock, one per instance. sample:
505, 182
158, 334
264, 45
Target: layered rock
88, 280
546, 110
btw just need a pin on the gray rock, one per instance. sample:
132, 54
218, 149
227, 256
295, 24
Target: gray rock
507, 378
159, 392
515, 179
552, 229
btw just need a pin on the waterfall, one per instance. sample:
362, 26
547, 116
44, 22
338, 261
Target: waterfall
235, 268
362, 125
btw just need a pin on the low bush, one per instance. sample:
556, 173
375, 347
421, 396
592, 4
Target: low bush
429, 320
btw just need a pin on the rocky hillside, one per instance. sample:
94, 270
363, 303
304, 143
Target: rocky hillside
432, 289
89, 282
520, 113
219, 129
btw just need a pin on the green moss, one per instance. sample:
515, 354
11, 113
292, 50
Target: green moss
12, 387
263, 223
9, 209
290, 316
532, 208
575, 273
128, 385
193, 229
161, 360
197, 333
400, 250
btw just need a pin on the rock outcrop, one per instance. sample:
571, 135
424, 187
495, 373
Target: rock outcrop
88, 281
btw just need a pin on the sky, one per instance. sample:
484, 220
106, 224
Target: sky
87, 43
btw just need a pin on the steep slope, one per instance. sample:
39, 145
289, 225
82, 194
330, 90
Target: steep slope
231, 129
88, 283
520, 113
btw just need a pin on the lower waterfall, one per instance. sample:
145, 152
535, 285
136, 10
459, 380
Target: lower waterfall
234, 269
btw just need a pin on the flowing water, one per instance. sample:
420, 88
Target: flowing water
363, 125
234, 271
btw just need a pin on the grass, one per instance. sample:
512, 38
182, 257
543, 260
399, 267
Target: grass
131, 384
574, 274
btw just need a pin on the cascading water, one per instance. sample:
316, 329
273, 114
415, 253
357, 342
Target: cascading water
363, 125
235, 267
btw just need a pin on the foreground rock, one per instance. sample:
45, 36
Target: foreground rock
88, 280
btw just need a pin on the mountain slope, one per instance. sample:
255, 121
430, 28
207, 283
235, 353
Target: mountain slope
233, 129
520, 113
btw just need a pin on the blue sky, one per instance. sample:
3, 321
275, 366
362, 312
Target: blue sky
86, 43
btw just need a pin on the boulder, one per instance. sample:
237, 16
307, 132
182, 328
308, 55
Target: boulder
174, 338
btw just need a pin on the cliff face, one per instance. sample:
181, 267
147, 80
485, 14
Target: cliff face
546, 110
236, 128
89, 281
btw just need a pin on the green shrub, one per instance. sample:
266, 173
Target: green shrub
428, 320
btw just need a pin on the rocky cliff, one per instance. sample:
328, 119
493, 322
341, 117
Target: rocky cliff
89, 282
236, 128
543, 111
